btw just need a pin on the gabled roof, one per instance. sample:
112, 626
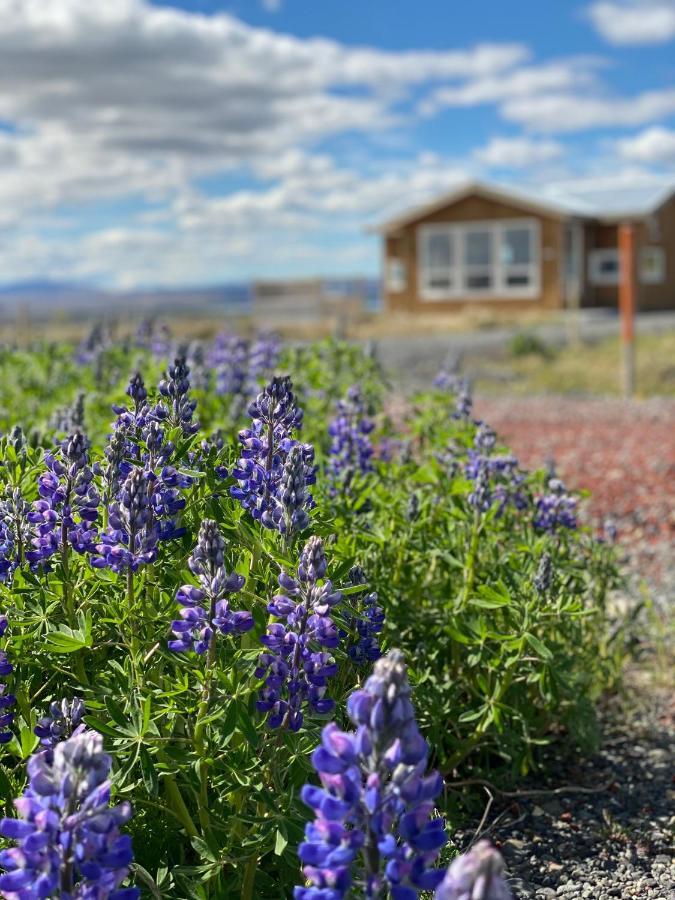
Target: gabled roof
606, 206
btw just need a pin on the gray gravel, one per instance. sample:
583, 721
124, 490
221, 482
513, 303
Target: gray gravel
618, 843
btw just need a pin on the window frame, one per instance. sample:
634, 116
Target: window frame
498, 269
397, 275
596, 276
660, 254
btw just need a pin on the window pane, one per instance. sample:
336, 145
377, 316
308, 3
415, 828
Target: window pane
478, 248
439, 250
517, 246
478, 281
609, 265
518, 280
440, 282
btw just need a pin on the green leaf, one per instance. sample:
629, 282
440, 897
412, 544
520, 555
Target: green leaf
62, 642
539, 647
101, 727
280, 843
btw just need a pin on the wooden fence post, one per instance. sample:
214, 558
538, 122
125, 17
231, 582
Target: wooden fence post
627, 306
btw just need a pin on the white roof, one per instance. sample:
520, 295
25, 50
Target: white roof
597, 203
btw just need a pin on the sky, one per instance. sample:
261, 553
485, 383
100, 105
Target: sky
167, 143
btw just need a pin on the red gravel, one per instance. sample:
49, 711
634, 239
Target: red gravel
622, 451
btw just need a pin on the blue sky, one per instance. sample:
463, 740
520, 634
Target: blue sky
193, 142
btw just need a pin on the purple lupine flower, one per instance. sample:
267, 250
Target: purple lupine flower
68, 836
367, 623
62, 721
200, 375
292, 499
130, 540
446, 380
263, 358
464, 400
208, 606
7, 701
228, 358
295, 664
175, 387
544, 575
476, 875
556, 508
373, 823
351, 448
68, 419
265, 448
14, 531
67, 509
497, 478
93, 344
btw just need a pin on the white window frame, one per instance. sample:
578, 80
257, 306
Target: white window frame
595, 260
397, 276
498, 269
659, 254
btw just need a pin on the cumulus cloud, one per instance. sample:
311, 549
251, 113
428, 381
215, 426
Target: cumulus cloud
518, 152
634, 21
571, 112
654, 145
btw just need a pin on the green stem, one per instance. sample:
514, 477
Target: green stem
249, 879
200, 726
177, 804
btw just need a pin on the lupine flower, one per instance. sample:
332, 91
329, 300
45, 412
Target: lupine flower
295, 664
292, 497
68, 836
175, 387
497, 478
544, 576
62, 722
14, 531
263, 358
464, 402
208, 608
555, 509
373, 823
367, 623
68, 419
154, 336
229, 359
200, 375
476, 875
7, 701
93, 344
351, 449
265, 448
68, 504
413, 508
131, 538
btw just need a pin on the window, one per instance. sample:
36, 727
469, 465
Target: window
483, 259
652, 265
604, 266
478, 260
396, 275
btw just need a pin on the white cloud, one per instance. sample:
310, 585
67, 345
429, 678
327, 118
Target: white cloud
573, 112
522, 82
654, 145
634, 21
518, 152
271, 5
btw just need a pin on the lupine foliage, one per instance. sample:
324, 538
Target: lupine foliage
204, 601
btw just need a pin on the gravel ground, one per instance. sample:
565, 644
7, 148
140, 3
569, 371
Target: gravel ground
616, 842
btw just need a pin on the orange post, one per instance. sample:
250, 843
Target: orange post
627, 306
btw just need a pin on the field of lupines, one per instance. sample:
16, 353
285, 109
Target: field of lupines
252, 626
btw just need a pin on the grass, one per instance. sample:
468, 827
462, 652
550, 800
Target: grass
589, 368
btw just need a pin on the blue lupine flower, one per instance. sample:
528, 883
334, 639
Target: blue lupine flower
476, 875
229, 359
68, 836
265, 448
7, 701
68, 504
175, 387
154, 336
63, 720
497, 480
131, 538
373, 823
292, 499
351, 449
544, 575
367, 623
263, 358
15, 531
295, 664
208, 608
555, 509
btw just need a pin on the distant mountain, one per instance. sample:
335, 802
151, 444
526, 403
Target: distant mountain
42, 287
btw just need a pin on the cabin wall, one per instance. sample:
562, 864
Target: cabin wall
403, 246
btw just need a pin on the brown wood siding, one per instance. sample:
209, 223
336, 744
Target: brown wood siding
660, 234
476, 208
